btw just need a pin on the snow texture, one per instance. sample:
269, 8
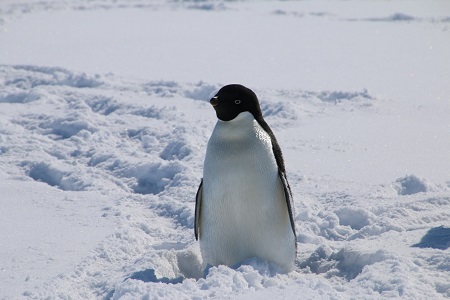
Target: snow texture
104, 120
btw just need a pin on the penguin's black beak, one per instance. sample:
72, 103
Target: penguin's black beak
214, 101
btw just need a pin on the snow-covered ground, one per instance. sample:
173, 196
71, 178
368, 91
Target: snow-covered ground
104, 120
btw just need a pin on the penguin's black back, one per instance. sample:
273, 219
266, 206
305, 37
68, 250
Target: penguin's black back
275, 146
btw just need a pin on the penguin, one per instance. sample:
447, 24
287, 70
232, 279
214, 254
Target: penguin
244, 204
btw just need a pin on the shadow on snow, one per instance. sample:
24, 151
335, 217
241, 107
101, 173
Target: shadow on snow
437, 238
149, 276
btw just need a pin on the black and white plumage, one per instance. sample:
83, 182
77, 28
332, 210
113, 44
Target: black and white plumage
244, 205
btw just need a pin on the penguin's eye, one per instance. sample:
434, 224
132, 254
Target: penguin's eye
237, 101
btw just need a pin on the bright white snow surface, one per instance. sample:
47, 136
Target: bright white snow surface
104, 120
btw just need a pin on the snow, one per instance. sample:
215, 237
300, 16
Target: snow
104, 120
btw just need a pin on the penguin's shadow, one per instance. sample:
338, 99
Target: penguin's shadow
150, 276
263, 267
146, 276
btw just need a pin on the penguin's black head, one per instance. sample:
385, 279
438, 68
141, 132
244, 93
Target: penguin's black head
233, 99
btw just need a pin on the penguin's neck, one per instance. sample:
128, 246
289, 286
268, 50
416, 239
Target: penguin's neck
239, 144
242, 130
239, 128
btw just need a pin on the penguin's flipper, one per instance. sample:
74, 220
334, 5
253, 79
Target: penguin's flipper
289, 199
198, 208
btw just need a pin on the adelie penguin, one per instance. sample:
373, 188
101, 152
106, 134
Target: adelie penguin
244, 205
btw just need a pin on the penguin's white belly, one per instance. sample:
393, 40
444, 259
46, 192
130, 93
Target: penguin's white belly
244, 211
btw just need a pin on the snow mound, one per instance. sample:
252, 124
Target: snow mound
356, 218
175, 150
10, 94
103, 105
347, 263
340, 96
334, 97
283, 110
67, 126
151, 178
197, 91
58, 176
396, 17
27, 77
412, 184
201, 91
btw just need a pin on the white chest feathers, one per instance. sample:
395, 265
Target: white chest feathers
244, 212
